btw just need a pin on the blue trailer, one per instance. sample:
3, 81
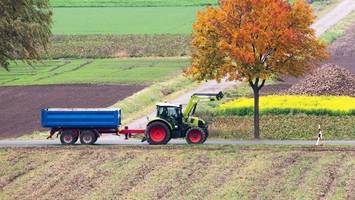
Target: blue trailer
86, 124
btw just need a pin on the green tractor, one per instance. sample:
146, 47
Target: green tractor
172, 122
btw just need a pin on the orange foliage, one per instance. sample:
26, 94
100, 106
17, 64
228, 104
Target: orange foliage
254, 40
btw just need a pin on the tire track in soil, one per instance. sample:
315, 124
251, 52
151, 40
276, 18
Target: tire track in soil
54, 183
29, 166
350, 184
71, 70
278, 168
139, 175
84, 180
224, 175
192, 173
60, 66
332, 173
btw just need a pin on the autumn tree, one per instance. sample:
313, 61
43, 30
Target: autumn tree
254, 40
24, 28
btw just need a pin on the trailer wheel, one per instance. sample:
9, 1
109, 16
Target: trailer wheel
158, 133
88, 137
68, 137
196, 136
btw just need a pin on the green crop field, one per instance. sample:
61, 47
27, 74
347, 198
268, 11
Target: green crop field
124, 20
130, 3
127, 71
178, 172
131, 17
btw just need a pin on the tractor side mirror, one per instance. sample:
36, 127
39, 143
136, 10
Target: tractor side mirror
220, 95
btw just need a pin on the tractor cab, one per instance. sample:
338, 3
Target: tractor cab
171, 113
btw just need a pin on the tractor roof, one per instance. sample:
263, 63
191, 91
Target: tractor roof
167, 105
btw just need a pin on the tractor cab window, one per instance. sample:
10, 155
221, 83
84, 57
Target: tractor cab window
166, 112
171, 114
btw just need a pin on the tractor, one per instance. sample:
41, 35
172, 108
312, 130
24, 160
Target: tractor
172, 122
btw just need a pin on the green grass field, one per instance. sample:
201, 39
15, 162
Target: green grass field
130, 3
110, 71
120, 20
178, 172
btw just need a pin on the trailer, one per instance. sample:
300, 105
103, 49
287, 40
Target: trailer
89, 124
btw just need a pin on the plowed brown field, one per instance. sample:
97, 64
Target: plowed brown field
20, 105
177, 172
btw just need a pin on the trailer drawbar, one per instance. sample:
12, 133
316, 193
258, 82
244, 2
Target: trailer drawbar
89, 124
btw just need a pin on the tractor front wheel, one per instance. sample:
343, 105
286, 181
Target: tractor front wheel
196, 136
158, 133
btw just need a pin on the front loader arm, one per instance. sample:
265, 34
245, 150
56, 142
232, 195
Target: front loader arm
197, 97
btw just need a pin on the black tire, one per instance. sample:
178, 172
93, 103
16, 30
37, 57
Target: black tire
68, 137
158, 133
88, 137
196, 136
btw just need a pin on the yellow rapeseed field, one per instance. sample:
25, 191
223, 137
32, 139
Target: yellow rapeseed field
308, 104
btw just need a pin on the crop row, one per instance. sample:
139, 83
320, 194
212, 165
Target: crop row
113, 46
280, 105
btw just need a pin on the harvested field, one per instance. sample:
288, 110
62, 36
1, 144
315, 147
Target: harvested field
20, 106
173, 172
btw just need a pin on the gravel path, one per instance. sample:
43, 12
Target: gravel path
335, 15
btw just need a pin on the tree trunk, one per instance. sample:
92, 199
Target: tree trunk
256, 113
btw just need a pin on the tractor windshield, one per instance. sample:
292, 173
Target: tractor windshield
171, 114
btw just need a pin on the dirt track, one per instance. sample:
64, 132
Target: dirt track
23, 118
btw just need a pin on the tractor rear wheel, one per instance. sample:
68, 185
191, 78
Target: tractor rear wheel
158, 133
88, 137
68, 137
196, 136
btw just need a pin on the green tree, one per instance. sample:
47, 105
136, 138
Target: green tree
25, 28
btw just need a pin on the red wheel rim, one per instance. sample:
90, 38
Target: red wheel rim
68, 138
87, 138
195, 136
157, 134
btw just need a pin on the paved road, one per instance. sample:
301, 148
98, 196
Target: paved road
323, 24
335, 15
116, 140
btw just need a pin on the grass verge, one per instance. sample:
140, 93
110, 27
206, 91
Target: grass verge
208, 172
298, 127
339, 29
